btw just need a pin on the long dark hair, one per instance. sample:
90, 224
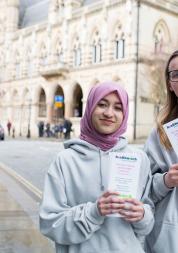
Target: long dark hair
170, 109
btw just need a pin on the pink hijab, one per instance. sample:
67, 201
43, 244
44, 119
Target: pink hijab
88, 132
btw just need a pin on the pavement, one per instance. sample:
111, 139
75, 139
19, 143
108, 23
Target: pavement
19, 232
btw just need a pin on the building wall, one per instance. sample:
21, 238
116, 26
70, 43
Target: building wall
30, 65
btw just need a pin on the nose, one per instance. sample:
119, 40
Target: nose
109, 111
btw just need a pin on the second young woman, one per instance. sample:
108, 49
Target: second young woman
164, 166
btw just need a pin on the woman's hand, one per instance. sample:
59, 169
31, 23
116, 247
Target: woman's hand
109, 203
171, 177
132, 210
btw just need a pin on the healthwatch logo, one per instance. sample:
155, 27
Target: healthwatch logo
172, 125
126, 158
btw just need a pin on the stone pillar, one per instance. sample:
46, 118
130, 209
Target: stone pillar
33, 119
49, 111
68, 108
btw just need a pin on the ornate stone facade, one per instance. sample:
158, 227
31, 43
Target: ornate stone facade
79, 44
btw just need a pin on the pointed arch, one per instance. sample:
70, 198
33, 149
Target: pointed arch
161, 36
96, 45
42, 104
77, 101
58, 109
118, 39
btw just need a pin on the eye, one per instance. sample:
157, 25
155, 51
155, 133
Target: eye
102, 104
118, 108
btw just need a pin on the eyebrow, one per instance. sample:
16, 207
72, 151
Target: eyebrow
105, 100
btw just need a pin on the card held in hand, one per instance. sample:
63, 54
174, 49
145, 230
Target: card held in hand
124, 174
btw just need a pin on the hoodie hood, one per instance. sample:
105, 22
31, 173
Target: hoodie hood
90, 152
85, 148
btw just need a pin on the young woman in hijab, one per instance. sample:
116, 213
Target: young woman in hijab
164, 166
76, 201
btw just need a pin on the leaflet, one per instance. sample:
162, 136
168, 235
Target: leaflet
171, 129
124, 174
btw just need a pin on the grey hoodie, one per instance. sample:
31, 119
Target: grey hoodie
69, 214
164, 236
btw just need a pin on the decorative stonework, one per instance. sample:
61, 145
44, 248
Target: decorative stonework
77, 47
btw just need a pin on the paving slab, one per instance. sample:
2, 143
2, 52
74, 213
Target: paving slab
19, 231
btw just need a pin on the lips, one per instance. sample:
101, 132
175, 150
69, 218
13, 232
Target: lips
106, 121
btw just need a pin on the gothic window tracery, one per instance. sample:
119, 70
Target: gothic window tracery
96, 48
160, 37
119, 43
42, 104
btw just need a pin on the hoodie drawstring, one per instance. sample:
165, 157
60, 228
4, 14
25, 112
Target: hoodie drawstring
101, 174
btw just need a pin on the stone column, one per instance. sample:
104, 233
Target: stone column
49, 111
68, 108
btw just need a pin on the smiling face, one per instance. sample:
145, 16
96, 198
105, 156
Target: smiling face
108, 115
173, 85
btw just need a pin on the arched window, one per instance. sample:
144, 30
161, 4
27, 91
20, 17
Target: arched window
42, 104
59, 108
161, 37
119, 43
78, 103
96, 48
77, 53
159, 40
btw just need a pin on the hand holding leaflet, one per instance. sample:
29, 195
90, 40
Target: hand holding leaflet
124, 176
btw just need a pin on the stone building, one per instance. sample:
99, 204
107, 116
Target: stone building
53, 49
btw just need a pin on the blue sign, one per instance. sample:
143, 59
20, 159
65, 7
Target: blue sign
59, 98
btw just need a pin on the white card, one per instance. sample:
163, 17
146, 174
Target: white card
124, 174
171, 129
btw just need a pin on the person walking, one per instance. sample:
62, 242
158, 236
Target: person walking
41, 129
9, 125
164, 166
48, 130
67, 128
76, 200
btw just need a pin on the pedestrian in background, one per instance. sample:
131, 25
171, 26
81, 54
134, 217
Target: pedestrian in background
41, 128
67, 128
9, 125
76, 199
164, 165
48, 129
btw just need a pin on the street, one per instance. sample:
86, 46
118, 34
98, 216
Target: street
23, 164
29, 158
